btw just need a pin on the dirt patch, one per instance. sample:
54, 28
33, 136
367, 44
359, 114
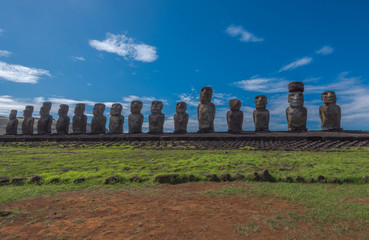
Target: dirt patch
359, 200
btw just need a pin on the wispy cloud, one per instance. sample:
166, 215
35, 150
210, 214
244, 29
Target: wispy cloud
1, 31
126, 47
5, 53
267, 85
78, 58
244, 36
325, 50
295, 64
21, 74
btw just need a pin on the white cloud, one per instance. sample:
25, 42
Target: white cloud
5, 53
126, 47
325, 50
267, 85
21, 74
298, 63
78, 58
244, 36
1, 31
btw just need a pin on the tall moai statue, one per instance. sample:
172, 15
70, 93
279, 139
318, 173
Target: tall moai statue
62, 124
156, 118
329, 112
99, 120
235, 116
46, 120
206, 111
261, 114
28, 120
296, 113
116, 119
79, 119
135, 119
180, 118
12, 126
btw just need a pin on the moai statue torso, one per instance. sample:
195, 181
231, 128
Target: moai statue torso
261, 114
206, 111
180, 118
79, 119
28, 120
234, 116
46, 120
156, 118
12, 126
329, 112
135, 119
116, 119
99, 120
296, 113
62, 125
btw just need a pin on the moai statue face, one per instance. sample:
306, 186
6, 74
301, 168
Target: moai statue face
156, 107
260, 102
329, 97
136, 107
13, 114
80, 108
28, 111
206, 94
181, 107
99, 109
45, 109
63, 110
116, 109
296, 99
235, 105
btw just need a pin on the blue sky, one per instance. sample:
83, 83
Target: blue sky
117, 51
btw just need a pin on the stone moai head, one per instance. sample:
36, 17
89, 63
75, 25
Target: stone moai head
116, 109
296, 87
181, 107
45, 109
136, 107
329, 97
99, 109
13, 114
260, 102
80, 108
28, 111
296, 96
63, 110
206, 94
235, 105
156, 107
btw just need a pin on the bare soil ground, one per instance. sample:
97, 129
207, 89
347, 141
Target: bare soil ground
186, 211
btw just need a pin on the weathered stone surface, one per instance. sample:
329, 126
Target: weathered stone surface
12, 126
18, 180
335, 180
265, 176
55, 180
296, 113
235, 116
98, 122
255, 176
329, 112
322, 179
212, 178
79, 119
299, 179
62, 124
239, 176
135, 179
111, 180
296, 87
116, 119
4, 180
261, 114
156, 118
46, 120
28, 120
180, 118
168, 178
35, 179
206, 111
225, 177
135, 119
288, 179
311, 180
348, 180
4, 213
79, 180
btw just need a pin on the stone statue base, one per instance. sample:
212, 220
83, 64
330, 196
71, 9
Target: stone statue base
234, 131
180, 132
331, 129
205, 130
297, 129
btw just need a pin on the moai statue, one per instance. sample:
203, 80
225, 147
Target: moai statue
206, 111
180, 118
62, 125
28, 120
45, 121
329, 112
99, 120
116, 120
12, 126
235, 116
135, 119
156, 118
296, 113
79, 119
261, 114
